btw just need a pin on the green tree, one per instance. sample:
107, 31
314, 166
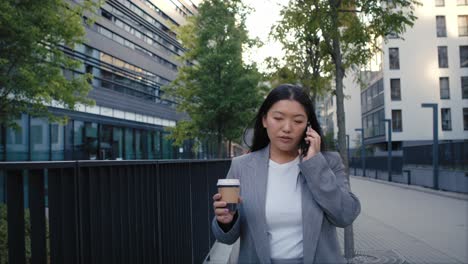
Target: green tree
305, 61
33, 37
346, 33
215, 87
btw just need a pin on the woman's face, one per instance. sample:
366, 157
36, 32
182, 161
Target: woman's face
285, 123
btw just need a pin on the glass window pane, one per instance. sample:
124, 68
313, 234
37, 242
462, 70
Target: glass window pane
157, 144
90, 140
382, 123
441, 27
376, 124
129, 149
446, 119
465, 118
57, 141
40, 144
394, 59
444, 88
69, 138
167, 147
106, 143
396, 121
395, 89
2, 145
463, 25
17, 144
117, 145
464, 86
442, 56
463, 56
78, 136
150, 145
138, 144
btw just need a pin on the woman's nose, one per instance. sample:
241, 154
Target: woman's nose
287, 126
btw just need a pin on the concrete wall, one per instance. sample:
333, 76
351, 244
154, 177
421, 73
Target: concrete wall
419, 73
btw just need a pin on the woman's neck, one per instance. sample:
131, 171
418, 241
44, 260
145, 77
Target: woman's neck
280, 156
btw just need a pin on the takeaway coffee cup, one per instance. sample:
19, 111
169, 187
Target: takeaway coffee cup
229, 190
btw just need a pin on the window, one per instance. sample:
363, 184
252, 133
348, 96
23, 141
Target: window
396, 121
463, 25
441, 28
395, 89
465, 118
462, 2
440, 2
444, 88
446, 119
106, 14
464, 86
442, 56
394, 59
40, 144
464, 56
392, 35
36, 134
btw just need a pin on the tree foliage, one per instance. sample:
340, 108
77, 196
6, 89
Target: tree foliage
33, 35
330, 36
305, 61
214, 86
341, 34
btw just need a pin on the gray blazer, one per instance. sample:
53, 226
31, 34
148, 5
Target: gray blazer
327, 203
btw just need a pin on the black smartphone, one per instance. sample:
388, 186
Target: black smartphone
304, 145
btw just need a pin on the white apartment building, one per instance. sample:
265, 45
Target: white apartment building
428, 64
326, 110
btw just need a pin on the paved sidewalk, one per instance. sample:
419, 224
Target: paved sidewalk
401, 224
389, 245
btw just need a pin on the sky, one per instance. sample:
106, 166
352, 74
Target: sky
259, 23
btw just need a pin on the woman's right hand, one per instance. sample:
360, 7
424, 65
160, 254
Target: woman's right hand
223, 215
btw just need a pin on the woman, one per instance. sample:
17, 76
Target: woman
294, 195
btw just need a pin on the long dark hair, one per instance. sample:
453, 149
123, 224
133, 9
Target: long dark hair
284, 92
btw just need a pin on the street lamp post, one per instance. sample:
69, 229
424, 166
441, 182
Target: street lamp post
363, 152
347, 148
435, 144
389, 147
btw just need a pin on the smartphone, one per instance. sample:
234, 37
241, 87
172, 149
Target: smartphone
304, 145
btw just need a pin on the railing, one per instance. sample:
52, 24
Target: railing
111, 211
378, 163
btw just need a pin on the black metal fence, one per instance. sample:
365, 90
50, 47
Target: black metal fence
111, 211
452, 155
378, 163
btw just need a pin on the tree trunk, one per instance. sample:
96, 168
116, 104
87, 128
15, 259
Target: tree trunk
340, 114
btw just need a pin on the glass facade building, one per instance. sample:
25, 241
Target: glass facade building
131, 52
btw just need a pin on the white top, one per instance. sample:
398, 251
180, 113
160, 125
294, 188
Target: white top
284, 210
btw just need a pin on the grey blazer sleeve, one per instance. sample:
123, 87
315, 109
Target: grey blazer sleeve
326, 178
233, 234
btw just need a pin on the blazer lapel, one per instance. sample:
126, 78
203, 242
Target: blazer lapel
312, 217
255, 202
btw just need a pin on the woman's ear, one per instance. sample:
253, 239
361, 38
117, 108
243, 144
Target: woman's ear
264, 122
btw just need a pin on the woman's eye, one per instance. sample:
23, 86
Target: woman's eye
277, 118
299, 122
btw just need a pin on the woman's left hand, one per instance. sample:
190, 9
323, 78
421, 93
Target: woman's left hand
313, 139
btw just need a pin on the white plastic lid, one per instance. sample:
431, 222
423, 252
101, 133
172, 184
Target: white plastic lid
224, 182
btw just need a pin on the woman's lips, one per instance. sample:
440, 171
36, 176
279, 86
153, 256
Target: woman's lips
285, 139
